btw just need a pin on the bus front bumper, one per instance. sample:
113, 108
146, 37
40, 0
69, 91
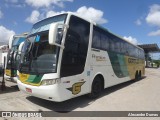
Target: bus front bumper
48, 92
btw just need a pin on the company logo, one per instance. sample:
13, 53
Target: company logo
132, 60
99, 58
76, 88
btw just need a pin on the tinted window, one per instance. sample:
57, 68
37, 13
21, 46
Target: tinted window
111, 45
76, 46
141, 54
105, 40
100, 39
96, 43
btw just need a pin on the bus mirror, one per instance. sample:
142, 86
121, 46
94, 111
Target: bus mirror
20, 47
10, 41
56, 32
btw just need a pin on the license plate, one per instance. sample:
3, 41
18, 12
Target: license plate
29, 90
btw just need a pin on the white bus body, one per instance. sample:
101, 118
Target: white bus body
84, 65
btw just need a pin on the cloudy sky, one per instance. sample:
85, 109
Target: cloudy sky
136, 20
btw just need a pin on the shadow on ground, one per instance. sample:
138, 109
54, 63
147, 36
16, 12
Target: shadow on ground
78, 102
8, 89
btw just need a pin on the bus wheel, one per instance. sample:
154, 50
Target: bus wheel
136, 76
139, 75
96, 88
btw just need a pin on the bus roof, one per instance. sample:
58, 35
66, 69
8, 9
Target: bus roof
94, 23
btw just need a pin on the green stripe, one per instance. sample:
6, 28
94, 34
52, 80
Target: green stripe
118, 64
34, 79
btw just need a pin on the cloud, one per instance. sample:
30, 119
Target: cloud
138, 22
5, 34
46, 3
92, 14
154, 33
34, 17
15, 23
19, 5
12, 1
153, 17
88, 13
1, 14
51, 13
131, 39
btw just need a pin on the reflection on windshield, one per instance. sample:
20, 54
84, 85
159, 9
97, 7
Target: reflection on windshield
17, 41
41, 57
45, 59
45, 24
27, 44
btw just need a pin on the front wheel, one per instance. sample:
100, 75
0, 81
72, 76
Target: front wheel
96, 88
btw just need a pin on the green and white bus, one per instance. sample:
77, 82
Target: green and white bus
13, 56
66, 56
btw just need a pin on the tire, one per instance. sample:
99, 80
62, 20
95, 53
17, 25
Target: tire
96, 88
139, 75
136, 76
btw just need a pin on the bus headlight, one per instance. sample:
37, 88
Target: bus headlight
50, 81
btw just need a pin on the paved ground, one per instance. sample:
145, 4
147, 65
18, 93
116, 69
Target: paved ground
143, 95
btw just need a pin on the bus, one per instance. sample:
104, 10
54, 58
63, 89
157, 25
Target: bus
13, 55
66, 56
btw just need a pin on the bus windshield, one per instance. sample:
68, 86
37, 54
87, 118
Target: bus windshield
38, 56
45, 24
16, 42
12, 53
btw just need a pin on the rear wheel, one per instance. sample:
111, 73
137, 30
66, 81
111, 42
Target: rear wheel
139, 75
136, 76
96, 88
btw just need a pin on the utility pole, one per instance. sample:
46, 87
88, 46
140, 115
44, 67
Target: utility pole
3, 86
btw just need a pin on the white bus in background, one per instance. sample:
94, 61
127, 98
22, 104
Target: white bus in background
13, 56
66, 56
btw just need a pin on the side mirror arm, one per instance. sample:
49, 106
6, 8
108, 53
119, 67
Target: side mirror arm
53, 33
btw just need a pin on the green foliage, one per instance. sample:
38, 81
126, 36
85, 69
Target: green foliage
156, 62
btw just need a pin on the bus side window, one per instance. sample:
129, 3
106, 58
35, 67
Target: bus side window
76, 47
96, 40
112, 46
104, 42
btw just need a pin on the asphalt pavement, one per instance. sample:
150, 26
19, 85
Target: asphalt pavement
143, 95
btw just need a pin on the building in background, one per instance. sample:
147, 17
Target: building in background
148, 49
